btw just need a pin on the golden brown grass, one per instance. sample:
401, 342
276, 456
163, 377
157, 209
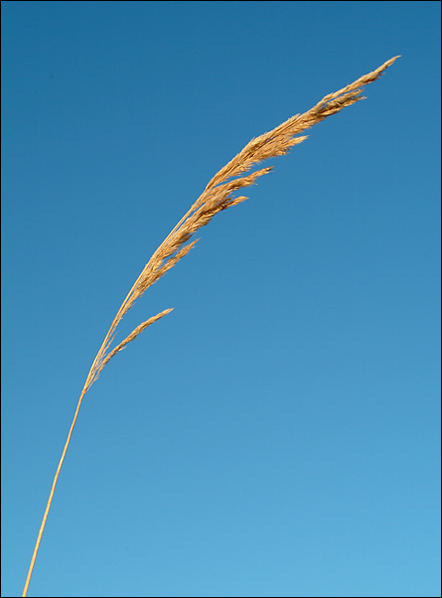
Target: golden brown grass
217, 196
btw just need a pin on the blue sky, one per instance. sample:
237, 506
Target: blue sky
278, 433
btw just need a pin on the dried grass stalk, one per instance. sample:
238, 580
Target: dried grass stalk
217, 196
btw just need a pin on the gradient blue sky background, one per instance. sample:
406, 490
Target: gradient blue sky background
278, 433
